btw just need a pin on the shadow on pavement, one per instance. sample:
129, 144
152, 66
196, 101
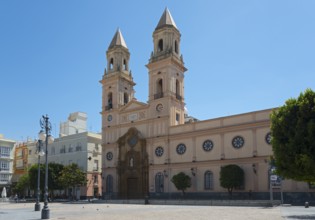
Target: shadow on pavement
300, 217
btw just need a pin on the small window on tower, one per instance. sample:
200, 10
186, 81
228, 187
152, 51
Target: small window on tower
160, 45
125, 65
176, 47
111, 64
110, 101
126, 98
177, 117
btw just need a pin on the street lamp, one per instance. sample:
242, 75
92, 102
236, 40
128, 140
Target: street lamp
44, 135
40, 152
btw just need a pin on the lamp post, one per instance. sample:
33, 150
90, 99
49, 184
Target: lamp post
44, 135
40, 153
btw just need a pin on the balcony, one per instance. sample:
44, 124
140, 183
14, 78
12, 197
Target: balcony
108, 107
158, 95
178, 97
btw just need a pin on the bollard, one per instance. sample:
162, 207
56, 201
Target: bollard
306, 205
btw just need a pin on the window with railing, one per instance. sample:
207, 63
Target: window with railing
4, 177
95, 179
95, 166
4, 151
4, 166
78, 147
70, 149
63, 149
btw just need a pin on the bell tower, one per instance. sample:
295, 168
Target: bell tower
166, 71
117, 82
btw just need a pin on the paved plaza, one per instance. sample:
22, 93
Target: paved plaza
90, 211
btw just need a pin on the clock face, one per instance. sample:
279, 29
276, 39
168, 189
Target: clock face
268, 138
109, 117
159, 151
159, 107
207, 145
238, 142
181, 149
109, 156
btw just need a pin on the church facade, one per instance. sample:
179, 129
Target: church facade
145, 144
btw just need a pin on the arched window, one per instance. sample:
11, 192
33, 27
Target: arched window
109, 184
111, 63
159, 182
110, 101
125, 65
160, 86
176, 47
126, 98
208, 180
160, 45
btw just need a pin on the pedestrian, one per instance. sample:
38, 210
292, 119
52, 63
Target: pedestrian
16, 198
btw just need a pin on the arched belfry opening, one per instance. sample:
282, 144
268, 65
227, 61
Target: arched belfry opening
111, 64
133, 166
125, 67
159, 89
160, 45
176, 46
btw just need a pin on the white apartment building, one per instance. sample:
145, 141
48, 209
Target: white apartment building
6, 163
83, 149
75, 145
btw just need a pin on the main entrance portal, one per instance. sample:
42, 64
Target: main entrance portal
132, 188
133, 166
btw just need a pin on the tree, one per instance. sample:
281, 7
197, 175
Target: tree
293, 137
231, 177
72, 176
181, 181
54, 171
22, 185
32, 172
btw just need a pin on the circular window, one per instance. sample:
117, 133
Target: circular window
268, 138
109, 156
207, 145
159, 151
238, 142
181, 149
133, 141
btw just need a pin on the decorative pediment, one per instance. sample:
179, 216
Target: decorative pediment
133, 105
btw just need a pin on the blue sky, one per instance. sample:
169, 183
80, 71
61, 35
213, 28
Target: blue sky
241, 56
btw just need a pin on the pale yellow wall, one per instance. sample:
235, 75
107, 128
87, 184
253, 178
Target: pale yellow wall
214, 154
187, 156
245, 151
263, 148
